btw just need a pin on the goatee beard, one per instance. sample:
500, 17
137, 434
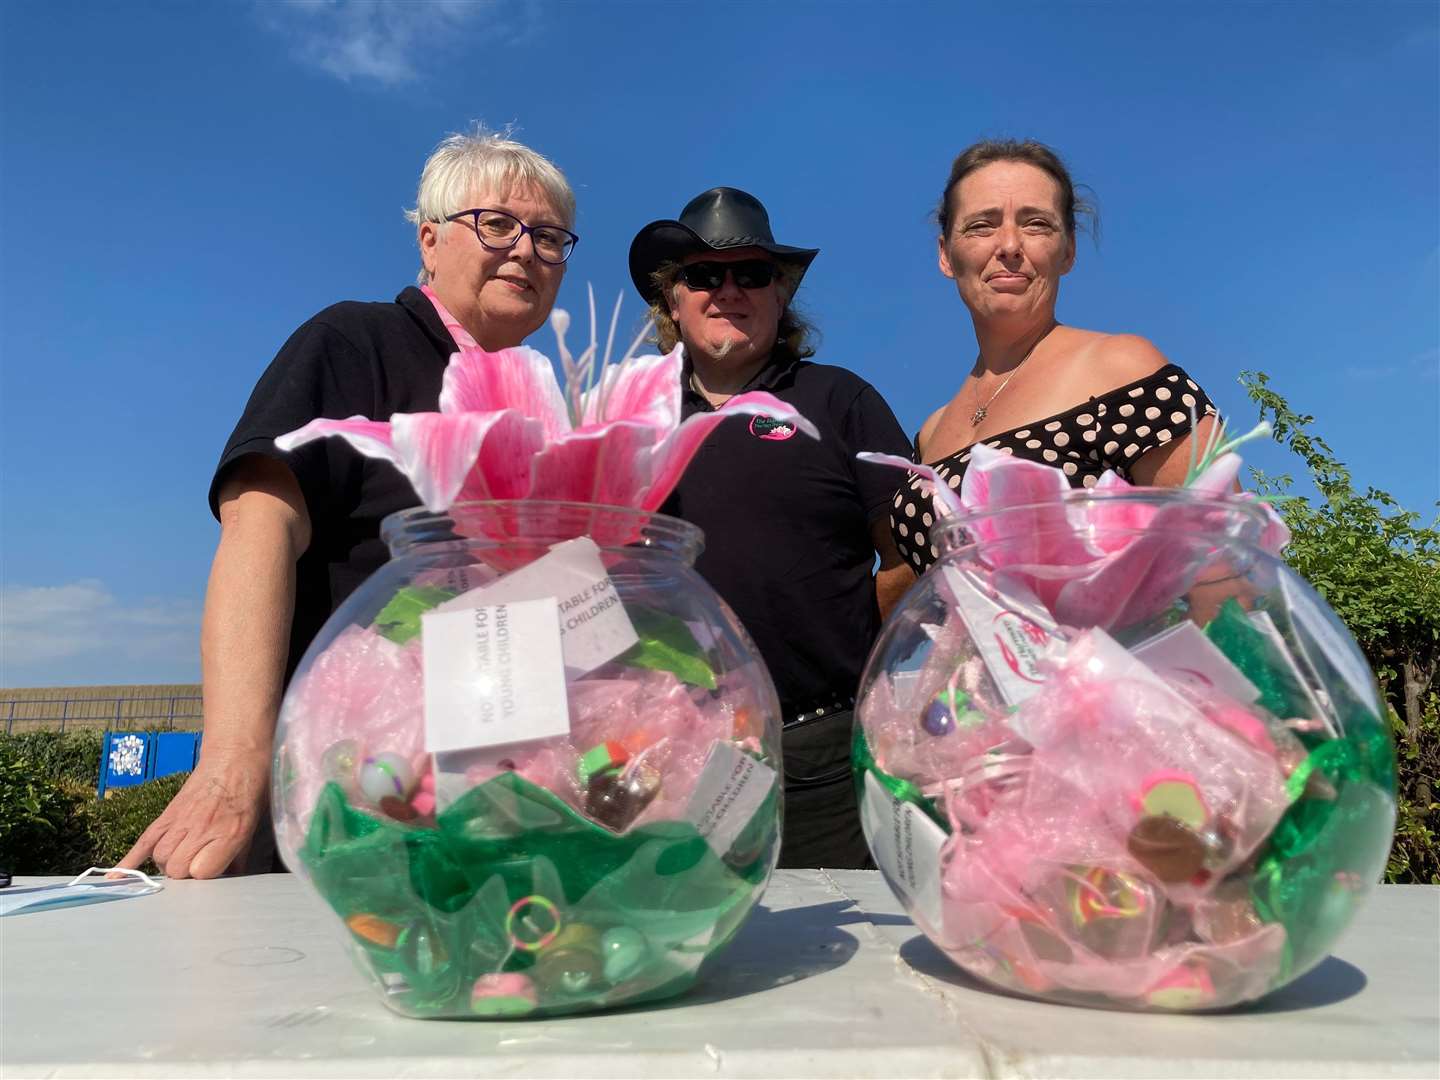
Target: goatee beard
724, 349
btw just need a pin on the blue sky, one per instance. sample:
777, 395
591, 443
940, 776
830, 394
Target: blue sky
181, 185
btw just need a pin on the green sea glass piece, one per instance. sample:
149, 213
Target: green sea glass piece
399, 620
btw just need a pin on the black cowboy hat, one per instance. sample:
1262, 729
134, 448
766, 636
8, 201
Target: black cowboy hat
717, 220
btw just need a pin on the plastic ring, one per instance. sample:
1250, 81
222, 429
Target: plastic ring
523, 906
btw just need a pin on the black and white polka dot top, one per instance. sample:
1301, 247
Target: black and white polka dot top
1105, 432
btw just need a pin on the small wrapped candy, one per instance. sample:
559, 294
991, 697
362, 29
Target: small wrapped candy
1167, 847
503, 994
1186, 987
607, 757
949, 708
373, 929
617, 797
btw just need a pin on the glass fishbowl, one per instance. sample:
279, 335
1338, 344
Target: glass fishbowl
1110, 751
532, 763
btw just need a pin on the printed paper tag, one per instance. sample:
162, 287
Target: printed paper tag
1097, 658
451, 783
1312, 623
906, 845
461, 579
1183, 653
1318, 710
594, 628
1013, 632
729, 790
493, 675
905, 689
1102, 657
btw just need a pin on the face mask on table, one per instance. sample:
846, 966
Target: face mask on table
78, 891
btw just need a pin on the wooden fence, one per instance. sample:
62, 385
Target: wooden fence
113, 708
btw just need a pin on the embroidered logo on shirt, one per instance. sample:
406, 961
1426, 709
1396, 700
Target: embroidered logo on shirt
771, 430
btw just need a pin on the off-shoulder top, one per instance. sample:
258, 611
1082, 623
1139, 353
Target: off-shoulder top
1106, 432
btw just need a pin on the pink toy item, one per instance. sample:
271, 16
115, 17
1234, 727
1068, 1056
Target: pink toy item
503, 994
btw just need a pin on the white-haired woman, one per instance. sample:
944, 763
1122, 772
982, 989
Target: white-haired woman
299, 531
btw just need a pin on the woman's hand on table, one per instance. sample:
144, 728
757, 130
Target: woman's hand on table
264, 528
209, 824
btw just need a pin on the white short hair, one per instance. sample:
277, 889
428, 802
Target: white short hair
484, 161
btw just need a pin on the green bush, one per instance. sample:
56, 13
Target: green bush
69, 755
50, 820
1378, 566
117, 822
38, 815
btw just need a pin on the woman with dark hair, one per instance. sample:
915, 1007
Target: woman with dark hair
1079, 400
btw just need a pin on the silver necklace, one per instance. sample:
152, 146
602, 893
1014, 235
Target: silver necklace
984, 410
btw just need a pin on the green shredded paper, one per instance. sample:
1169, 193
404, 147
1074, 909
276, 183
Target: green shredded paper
445, 897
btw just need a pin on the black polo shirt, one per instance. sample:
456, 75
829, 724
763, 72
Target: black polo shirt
787, 524
367, 359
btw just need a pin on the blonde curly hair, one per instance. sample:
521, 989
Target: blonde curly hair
795, 335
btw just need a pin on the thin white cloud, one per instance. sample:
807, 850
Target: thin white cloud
1427, 364
390, 42
80, 633
1424, 365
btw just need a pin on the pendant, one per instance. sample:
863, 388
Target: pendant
979, 415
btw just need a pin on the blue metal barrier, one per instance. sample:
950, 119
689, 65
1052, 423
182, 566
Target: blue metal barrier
125, 759
175, 751
133, 757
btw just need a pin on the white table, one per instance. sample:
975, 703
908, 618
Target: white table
247, 977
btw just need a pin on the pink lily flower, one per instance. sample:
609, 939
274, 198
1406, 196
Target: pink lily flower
506, 430
947, 503
1106, 561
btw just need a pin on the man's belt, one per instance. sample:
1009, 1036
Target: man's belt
815, 710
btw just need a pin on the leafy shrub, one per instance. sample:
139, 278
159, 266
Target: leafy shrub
117, 822
70, 755
50, 820
35, 811
44, 806
1379, 568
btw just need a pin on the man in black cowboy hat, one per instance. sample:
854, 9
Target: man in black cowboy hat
792, 526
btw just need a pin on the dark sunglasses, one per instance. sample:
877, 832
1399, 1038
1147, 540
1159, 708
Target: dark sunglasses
709, 276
